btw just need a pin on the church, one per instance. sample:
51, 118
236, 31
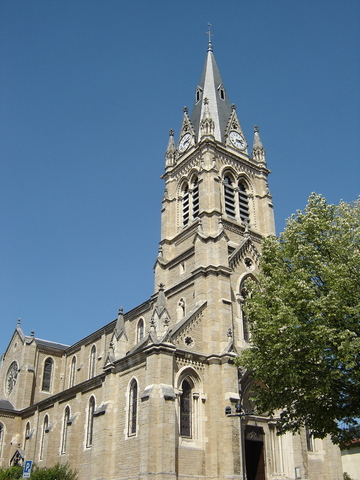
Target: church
155, 393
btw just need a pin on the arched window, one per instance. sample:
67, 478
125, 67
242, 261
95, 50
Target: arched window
1, 438
198, 94
27, 434
243, 202
190, 199
92, 365
190, 406
72, 372
133, 404
140, 330
45, 431
90, 422
195, 198
221, 92
229, 195
66, 423
48, 368
186, 410
185, 205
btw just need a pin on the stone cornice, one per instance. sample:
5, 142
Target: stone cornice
180, 258
62, 396
212, 270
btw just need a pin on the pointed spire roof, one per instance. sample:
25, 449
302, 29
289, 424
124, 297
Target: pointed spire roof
170, 151
120, 325
211, 87
258, 151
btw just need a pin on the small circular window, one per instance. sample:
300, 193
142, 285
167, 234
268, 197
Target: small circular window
249, 264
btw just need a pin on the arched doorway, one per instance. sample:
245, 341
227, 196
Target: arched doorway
254, 453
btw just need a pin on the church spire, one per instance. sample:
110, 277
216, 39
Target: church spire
211, 87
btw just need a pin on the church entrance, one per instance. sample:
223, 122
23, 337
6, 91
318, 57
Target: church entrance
254, 453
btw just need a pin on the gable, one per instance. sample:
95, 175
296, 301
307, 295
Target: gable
245, 252
187, 334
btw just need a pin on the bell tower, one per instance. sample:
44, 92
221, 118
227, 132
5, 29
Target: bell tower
216, 198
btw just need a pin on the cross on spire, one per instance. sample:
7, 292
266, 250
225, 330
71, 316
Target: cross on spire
210, 35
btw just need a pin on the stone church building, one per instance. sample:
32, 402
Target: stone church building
155, 394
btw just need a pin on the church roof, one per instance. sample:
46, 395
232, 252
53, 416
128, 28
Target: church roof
211, 87
6, 405
48, 343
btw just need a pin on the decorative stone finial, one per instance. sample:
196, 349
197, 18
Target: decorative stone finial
186, 110
170, 151
207, 123
258, 151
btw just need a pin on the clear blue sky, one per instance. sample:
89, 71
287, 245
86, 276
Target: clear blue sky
88, 92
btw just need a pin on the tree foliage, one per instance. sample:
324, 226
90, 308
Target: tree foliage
11, 473
57, 472
304, 315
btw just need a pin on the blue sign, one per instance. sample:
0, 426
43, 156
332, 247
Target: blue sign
27, 469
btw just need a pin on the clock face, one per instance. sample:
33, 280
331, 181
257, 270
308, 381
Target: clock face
184, 142
237, 140
11, 377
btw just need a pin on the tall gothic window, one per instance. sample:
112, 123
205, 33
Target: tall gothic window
72, 372
229, 195
90, 422
92, 364
186, 409
185, 205
1, 438
27, 435
195, 198
47, 374
133, 406
140, 329
243, 202
190, 201
66, 423
45, 432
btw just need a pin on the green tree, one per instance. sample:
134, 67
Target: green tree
58, 472
11, 473
304, 315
